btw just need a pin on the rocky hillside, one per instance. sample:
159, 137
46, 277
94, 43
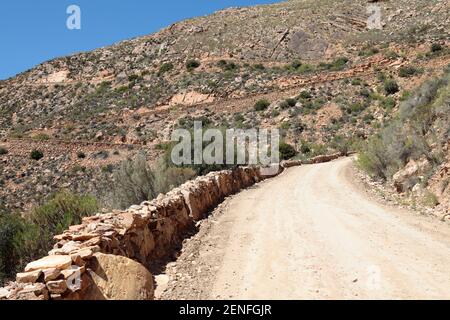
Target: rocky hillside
312, 68
412, 152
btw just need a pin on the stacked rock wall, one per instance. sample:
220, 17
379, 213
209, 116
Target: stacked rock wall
144, 234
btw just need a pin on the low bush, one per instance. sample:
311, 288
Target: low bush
436, 47
164, 68
192, 64
3, 151
259, 66
408, 71
430, 199
309, 149
288, 103
36, 155
356, 82
135, 181
337, 65
391, 87
287, 151
294, 65
305, 68
134, 78
41, 137
388, 103
305, 95
227, 65
291, 102
81, 155
261, 105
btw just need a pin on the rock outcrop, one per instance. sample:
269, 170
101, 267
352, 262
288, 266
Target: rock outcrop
413, 169
113, 277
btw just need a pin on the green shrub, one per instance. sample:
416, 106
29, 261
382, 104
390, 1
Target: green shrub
259, 66
336, 65
261, 105
305, 95
309, 150
168, 177
134, 182
122, 89
405, 95
36, 155
11, 227
391, 54
356, 82
286, 151
294, 65
369, 52
291, 102
365, 93
391, 87
192, 64
133, 78
408, 71
61, 211
430, 199
165, 67
81, 155
285, 125
305, 68
238, 117
436, 47
41, 137
388, 103
357, 107
227, 65
341, 144
3, 151
23, 239
283, 105
288, 103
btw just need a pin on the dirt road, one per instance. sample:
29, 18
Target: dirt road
312, 233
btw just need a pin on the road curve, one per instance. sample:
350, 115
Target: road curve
312, 233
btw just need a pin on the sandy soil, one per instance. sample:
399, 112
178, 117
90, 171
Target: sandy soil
311, 233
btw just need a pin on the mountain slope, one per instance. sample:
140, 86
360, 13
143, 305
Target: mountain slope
89, 111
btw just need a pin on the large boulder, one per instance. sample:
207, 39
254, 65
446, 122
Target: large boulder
406, 178
116, 278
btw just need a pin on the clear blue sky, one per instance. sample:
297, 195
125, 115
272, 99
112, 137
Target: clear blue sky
33, 31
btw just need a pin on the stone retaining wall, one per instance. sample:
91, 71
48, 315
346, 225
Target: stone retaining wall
146, 233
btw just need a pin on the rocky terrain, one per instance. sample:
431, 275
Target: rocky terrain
312, 69
318, 65
94, 260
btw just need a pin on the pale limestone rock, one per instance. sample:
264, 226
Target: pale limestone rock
118, 278
51, 274
57, 286
4, 293
37, 291
28, 277
58, 262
